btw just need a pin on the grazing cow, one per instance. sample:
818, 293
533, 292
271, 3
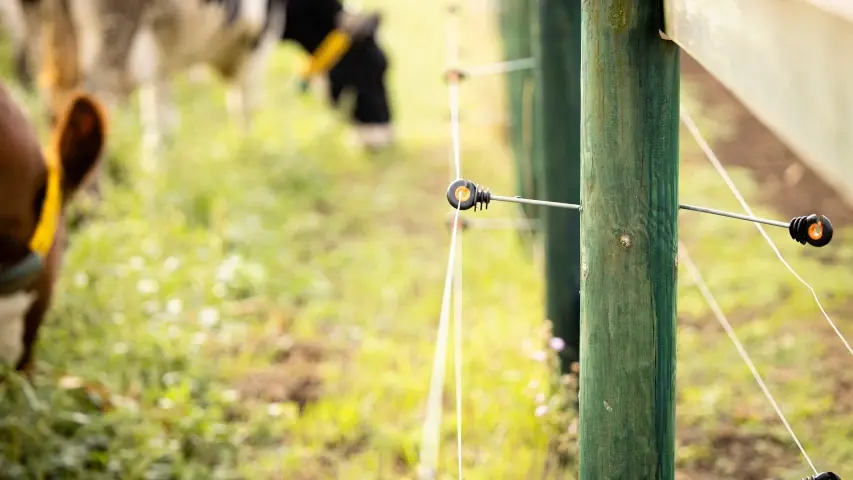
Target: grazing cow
113, 47
35, 187
361, 69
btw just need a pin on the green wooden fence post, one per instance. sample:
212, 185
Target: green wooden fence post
537, 151
628, 246
558, 50
515, 32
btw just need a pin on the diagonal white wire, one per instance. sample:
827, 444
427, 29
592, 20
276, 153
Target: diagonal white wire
712, 157
685, 260
454, 107
457, 354
431, 433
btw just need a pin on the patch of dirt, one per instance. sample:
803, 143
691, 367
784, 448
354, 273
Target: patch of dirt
787, 184
734, 453
294, 375
835, 363
290, 350
708, 323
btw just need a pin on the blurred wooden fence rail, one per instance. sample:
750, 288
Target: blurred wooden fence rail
790, 62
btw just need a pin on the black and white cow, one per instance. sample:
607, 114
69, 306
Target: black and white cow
362, 69
112, 48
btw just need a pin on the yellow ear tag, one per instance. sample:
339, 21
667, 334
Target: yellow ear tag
333, 47
45, 232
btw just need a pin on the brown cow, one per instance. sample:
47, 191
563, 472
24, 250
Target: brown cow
35, 187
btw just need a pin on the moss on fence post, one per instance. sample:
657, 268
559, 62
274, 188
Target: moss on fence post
629, 242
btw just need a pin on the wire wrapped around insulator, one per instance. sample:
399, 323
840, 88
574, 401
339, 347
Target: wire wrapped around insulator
455, 75
462, 223
464, 194
812, 229
824, 476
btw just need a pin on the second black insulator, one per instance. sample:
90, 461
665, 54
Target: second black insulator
812, 229
824, 476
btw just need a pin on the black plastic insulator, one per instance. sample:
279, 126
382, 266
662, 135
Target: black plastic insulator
472, 195
800, 227
824, 476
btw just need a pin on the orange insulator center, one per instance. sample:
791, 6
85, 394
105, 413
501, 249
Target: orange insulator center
463, 194
816, 231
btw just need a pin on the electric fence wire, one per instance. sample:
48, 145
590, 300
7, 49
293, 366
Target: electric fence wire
693, 270
501, 67
431, 430
688, 122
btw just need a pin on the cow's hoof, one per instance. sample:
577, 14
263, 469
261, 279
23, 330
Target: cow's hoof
375, 137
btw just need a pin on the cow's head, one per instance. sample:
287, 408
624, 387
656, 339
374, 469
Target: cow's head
360, 70
36, 184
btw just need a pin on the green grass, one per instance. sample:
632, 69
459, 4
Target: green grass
201, 293
249, 274
803, 362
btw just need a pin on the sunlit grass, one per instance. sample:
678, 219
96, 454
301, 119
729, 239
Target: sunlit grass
252, 273
249, 274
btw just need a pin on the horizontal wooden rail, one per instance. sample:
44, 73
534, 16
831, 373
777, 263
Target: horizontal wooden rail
789, 62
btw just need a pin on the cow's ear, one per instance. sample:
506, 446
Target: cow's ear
374, 19
79, 138
359, 25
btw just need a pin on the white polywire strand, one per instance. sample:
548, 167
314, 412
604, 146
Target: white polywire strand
453, 100
454, 106
432, 422
453, 91
685, 260
431, 433
712, 157
457, 354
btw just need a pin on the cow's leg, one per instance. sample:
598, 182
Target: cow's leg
32, 323
245, 73
245, 88
241, 100
43, 294
170, 115
157, 114
159, 119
